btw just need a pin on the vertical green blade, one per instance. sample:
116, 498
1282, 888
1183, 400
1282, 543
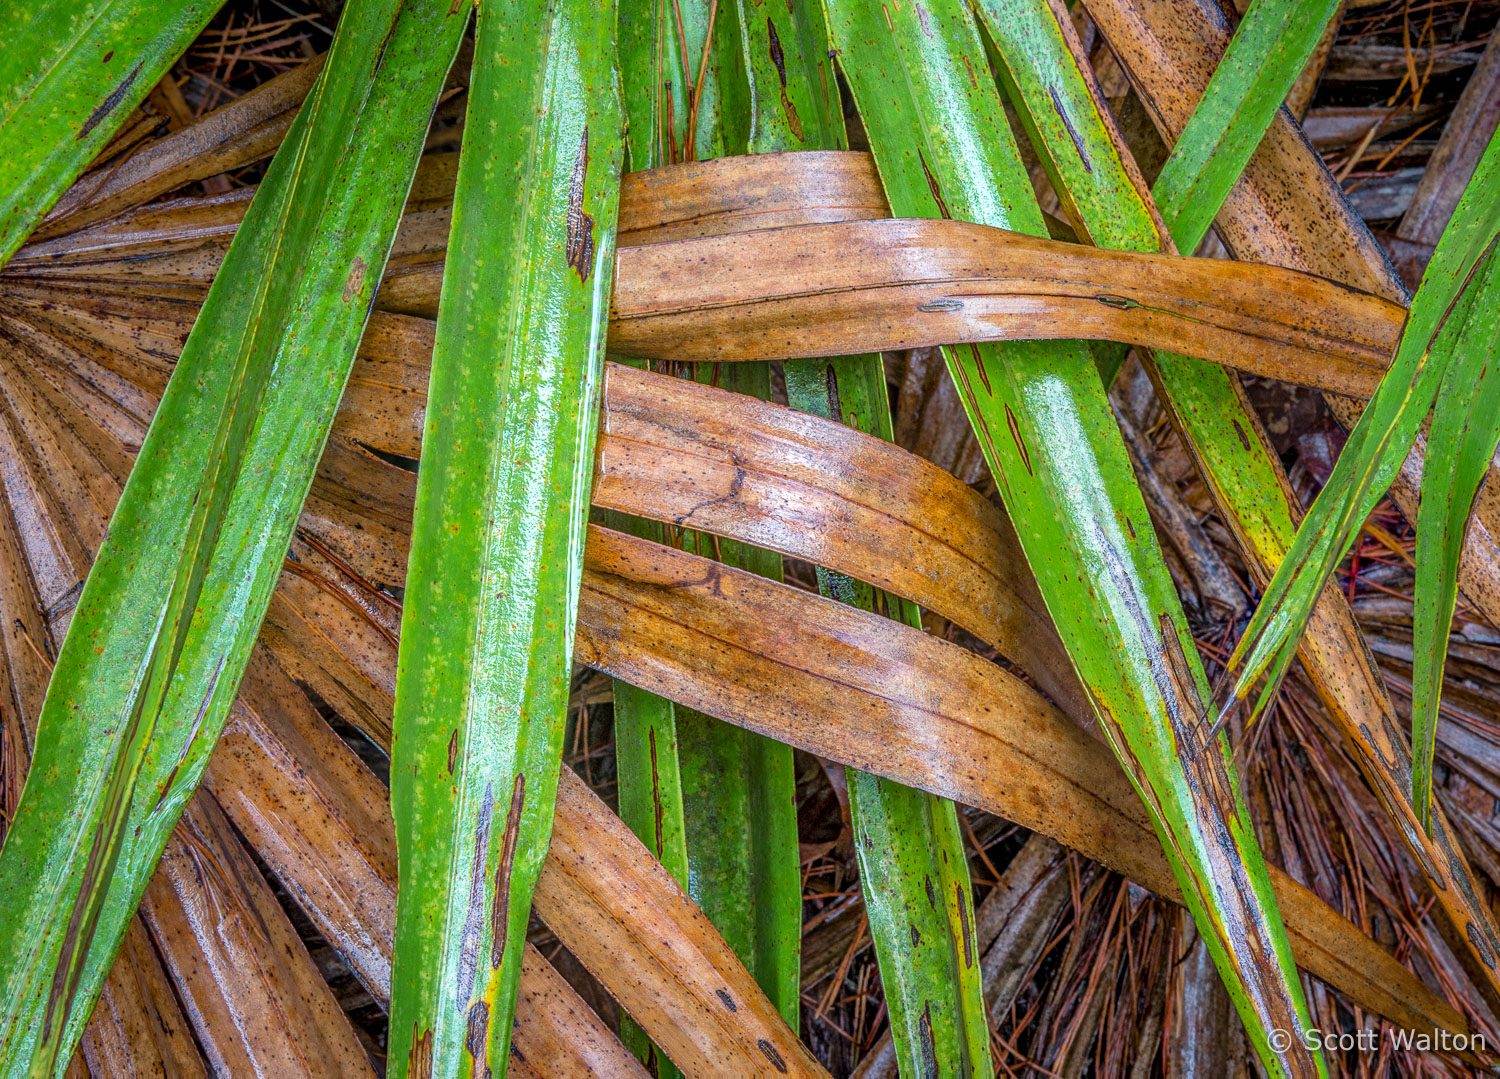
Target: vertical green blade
1460, 446
498, 535
173, 603
1039, 410
82, 69
1267, 53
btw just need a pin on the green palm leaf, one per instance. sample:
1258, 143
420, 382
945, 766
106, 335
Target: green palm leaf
497, 540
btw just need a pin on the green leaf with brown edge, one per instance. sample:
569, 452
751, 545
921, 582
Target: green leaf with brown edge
943, 149
497, 539
165, 622
83, 68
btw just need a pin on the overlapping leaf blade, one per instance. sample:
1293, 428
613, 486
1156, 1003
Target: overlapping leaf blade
943, 148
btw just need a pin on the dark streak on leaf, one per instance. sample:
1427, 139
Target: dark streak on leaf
774, 46
1062, 113
932, 185
1015, 433
778, 58
929, 1045
192, 737
925, 20
500, 916
579, 246
772, 1055
109, 103
984, 376
728, 1000
963, 921
656, 805
831, 383
1480, 945
452, 750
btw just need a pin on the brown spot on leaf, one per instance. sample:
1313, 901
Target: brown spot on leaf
355, 279
419, 1057
477, 1036
578, 249
500, 916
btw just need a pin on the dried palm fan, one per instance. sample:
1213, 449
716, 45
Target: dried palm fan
94, 310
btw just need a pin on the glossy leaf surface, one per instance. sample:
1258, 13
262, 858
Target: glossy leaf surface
497, 540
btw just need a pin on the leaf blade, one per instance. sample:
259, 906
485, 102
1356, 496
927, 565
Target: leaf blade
501, 505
